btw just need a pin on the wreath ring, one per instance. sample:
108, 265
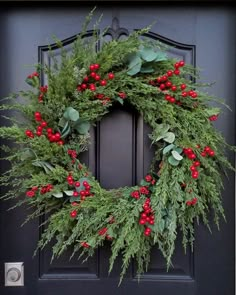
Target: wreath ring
184, 179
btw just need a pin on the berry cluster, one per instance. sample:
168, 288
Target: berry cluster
164, 83
192, 156
207, 151
191, 202
147, 216
213, 117
94, 79
44, 189
43, 90
52, 137
34, 74
73, 155
81, 191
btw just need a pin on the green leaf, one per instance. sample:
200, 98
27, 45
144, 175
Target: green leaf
173, 161
82, 127
27, 154
120, 100
45, 165
58, 195
29, 81
71, 114
62, 122
178, 150
66, 130
161, 56
146, 69
134, 65
148, 54
69, 193
169, 137
176, 155
168, 148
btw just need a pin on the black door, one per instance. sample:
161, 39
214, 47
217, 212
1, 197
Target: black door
201, 35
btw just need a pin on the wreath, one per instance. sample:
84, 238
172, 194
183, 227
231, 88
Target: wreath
184, 181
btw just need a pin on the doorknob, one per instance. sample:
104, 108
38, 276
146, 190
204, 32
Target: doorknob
14, 274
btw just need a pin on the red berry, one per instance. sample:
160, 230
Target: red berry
192, 156
207, 149
60, 142
97, 77
82, 193
162, 86
73, 213
173, 88
168, 84
83, 86
93, 75
49, 130
40, 128
39, 133
159, 80
103, 82
148, 178
196, 163
57, 136
92, 68
96, 66
75, 194
190, 92
164, 78
86, 79
194, 201
142, 221
176, 65
74, 204
211, 153
184, 94
111, 76
194, 95
167, 97
85, 183
151, 222
203, 154
28, 133
183, 86
176, 72
143, 215
44, 124
192, 168
77, 183
181, 63
169, 73
189, 203
92, 87
172, 100
195, 174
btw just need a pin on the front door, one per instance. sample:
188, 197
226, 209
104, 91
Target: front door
201, 36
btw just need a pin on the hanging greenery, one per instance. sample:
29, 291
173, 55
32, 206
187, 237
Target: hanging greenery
185, 177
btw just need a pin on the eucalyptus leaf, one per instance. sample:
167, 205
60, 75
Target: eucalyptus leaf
173, 161
161, 56
66, 130
82, 127
71, 114
58, 195
176, 155
212, 111
178, 150
134, 65
62, 122
169, 137
146, 69
148, 54
168, 148
27, 154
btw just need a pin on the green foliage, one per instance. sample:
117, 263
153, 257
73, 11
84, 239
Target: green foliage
38, 162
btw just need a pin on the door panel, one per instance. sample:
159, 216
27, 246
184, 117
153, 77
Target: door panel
120, 151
